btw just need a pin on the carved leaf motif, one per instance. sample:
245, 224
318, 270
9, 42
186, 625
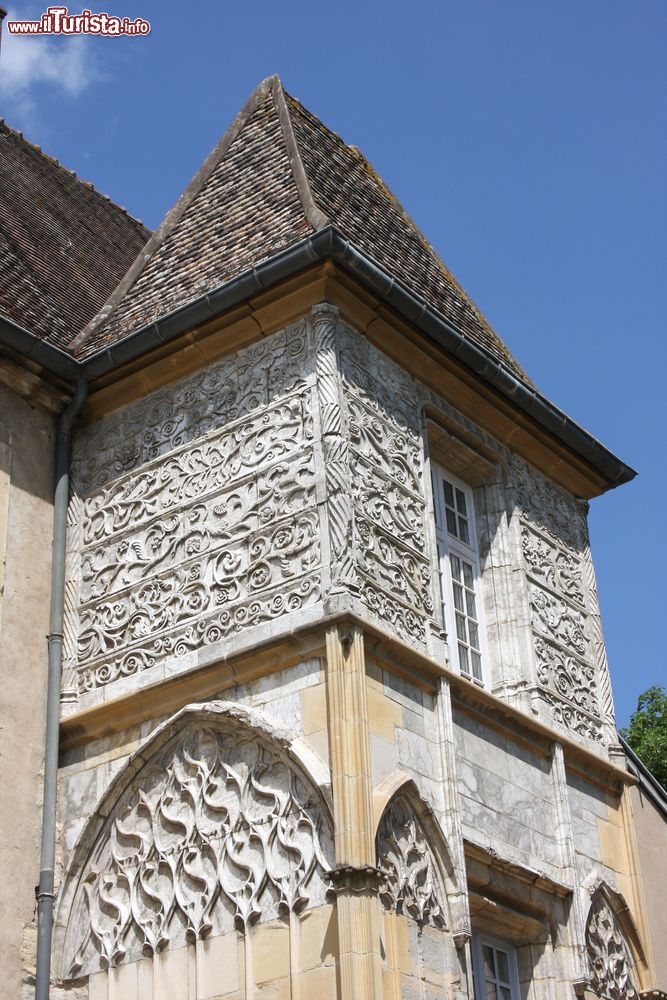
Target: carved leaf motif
226, 391
560, 622
551, 564
205, 631
549, 508
220, 820
608, 955
410, 883
566, 676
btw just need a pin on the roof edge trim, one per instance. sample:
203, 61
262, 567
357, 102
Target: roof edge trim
329, 243
36, 349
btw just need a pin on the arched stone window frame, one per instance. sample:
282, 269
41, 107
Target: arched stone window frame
221, 714
400, 785
601, 893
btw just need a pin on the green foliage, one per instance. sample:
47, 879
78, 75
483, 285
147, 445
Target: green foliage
647, 732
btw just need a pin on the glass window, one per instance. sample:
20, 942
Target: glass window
494, 969
458, 559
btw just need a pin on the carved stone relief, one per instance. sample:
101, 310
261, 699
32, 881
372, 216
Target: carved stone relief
608, 955
226, 391
569, 654
553, 565
198, 513
394, 574
206, 521
218, 829
335, 449
410, 881
558, 621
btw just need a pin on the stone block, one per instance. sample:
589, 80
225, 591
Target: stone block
384, 758
270, 950
221, 966
125, 981
314, 709
320, 984
320, 743
312, 937
174, 974
97, 986
384, 714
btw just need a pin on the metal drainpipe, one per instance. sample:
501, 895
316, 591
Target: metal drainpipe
45, 890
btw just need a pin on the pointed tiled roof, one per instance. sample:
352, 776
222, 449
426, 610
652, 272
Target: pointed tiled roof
276, 177
63, 246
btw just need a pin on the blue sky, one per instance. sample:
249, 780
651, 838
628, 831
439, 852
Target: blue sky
527, 139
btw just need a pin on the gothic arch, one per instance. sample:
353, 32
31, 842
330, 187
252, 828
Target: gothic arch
616, 957
417, 871
220, 819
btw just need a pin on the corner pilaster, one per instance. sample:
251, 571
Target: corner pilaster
355, 878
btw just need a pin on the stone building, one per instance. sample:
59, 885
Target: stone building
328, 710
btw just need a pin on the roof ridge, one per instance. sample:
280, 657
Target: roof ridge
175, 214
69, 172
315, 216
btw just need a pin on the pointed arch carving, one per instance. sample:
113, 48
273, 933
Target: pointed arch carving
612, 945
412, 856
218, 821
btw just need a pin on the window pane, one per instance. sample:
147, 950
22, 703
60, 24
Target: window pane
456, 568
489, 967
476, 665
473, 635
464, 534
503, 966
491, 991
461, 628
505, 993
467, 575
463, 659
461, 502
470, 604
451, 522
449, 493
458, 597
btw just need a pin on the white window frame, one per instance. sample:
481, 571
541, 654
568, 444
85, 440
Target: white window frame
478, 968
449, 545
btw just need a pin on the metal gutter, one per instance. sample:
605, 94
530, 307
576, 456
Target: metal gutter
647, 782
53, 359
45, 891
328, 243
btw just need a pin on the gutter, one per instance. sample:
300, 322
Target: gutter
45, 891
53, 359
328, 243
650, 785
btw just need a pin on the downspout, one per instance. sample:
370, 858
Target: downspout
45, 891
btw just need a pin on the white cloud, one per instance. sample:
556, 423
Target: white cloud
28, 64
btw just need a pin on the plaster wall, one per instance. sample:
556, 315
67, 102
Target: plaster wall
651, 832
26, 486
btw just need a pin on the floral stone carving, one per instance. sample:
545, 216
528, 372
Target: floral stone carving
410, 882
217, 829
608, 955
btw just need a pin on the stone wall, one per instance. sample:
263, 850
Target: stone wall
195, 521
273, 489
26, 518
290, 479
